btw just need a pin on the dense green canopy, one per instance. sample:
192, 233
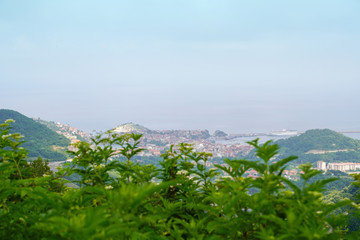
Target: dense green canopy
40, 141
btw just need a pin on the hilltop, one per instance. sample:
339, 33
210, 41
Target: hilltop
321, 145
219, 134
131, 127
40, 141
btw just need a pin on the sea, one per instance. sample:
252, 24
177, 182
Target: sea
265, 138
353, 135
244, 140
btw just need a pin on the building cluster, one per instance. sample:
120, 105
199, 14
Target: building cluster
344, 167
222, 150
157, 142
71, 132
292, 174
289, 174
251, 173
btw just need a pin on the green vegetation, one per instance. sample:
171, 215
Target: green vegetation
350, 192
344, 180
179, 200
318, 145
53, 126
219, 133
317, 139
40, 141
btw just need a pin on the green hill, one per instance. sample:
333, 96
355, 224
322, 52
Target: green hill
321, 145
317, 139
40, 141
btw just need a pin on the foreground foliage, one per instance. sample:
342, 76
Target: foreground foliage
180, 200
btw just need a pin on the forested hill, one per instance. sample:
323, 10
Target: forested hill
40, 140
317, 139
321, 144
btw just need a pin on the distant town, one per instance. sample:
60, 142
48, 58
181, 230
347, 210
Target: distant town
220, 144
157, 141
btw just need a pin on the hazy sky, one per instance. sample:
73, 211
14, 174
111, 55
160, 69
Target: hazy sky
238, 66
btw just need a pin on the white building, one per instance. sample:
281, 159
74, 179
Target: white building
343, 166
321, 165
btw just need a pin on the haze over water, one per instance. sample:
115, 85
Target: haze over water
263, 138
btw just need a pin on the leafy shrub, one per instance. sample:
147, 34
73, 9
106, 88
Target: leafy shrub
182, 199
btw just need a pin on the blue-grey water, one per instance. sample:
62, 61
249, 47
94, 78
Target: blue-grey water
353, 135
262, 139
243, 140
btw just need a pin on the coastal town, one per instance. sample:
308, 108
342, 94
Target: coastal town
157, 142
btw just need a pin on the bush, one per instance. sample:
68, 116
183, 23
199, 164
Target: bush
182, 199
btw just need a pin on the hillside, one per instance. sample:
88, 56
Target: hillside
317, 139
40, 141
321, 145
65, 130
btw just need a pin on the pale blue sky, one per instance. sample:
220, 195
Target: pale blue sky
238, 66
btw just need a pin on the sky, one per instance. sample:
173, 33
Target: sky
238, 66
